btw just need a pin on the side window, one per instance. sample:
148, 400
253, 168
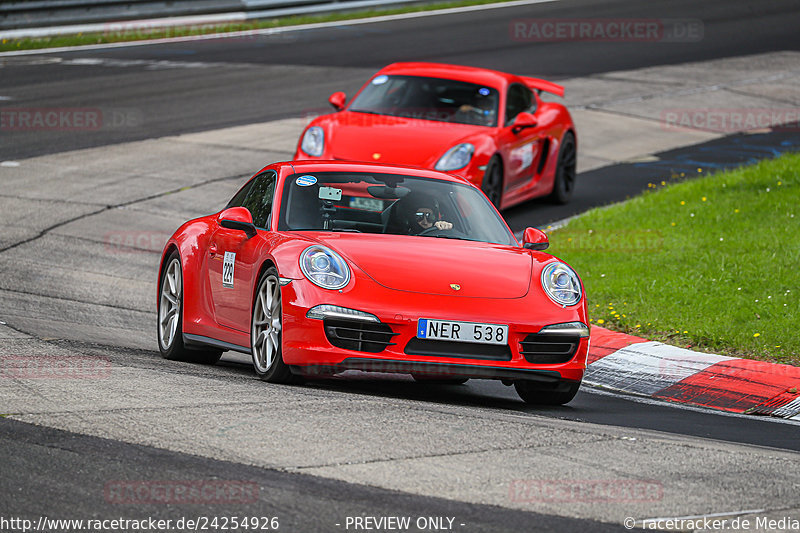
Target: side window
237, 200
519, 99
258, 198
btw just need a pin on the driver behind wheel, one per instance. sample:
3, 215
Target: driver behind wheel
479, 110
424, 214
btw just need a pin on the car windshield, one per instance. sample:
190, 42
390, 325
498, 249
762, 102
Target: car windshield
390, 204
429, 99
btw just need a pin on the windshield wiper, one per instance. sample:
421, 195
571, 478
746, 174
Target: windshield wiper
366, 112
452, 237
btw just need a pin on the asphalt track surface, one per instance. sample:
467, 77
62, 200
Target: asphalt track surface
201, 85
46, 469
301, 503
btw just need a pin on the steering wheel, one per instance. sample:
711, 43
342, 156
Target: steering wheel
433, 230
429, 231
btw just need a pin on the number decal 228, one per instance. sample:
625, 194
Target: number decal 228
227, 269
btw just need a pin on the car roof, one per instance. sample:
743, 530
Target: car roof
454, 72
293, 167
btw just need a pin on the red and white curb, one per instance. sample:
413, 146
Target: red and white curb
637, 366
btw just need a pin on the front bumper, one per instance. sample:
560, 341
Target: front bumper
323, 346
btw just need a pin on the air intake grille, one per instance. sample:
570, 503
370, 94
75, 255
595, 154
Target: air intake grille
357, 335
463, 350
549, 348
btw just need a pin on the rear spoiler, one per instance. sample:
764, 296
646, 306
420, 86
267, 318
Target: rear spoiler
538, 85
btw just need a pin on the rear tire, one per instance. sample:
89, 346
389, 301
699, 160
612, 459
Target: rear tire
170, 317
536, 393
266, 331
492, 185
566, 174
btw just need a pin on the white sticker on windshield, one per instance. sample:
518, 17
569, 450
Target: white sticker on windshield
306, 181
380, 80
227, 269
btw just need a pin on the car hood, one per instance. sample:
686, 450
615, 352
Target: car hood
432, 265
395, 140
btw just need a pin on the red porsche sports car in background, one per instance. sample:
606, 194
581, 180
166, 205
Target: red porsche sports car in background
489, 127
319, 267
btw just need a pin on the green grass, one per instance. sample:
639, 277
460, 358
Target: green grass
710, 263
184, 31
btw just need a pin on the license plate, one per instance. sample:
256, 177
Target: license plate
450, 330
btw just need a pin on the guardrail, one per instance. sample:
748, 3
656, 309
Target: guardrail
20, 15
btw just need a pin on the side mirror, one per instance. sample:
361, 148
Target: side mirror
238, 218
337, 100
535, 239
522, 121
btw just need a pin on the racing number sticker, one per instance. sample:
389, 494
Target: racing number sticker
524, 154
227, 269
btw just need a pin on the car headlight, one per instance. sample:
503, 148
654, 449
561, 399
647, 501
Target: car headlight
324, 267
561, 284
313, 141
456, 157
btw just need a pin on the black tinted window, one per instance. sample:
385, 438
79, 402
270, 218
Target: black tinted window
239, 197
520, 99
256, 196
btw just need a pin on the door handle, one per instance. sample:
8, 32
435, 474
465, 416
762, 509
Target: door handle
212, 250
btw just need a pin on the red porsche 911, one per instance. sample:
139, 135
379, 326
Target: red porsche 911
314, 268
489, 127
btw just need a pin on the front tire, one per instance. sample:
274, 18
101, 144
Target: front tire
566, 173
492, 185
170, 317
266, 328
535, 393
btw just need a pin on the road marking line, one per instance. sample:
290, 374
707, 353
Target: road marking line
148, 64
